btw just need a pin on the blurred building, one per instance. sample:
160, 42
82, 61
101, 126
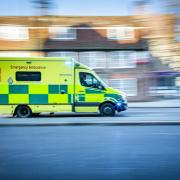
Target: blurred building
164, 45
132, 53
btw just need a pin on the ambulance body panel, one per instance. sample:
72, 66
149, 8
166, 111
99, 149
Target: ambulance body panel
53, 85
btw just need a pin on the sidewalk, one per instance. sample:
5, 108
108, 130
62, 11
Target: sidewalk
170, 103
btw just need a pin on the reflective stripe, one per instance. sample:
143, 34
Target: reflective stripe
38, 99
58, 98
18, 99
4, 89
38, 89
53, 89
3, 99
18, 89
94, 91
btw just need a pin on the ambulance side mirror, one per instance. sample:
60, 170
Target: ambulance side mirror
100, 86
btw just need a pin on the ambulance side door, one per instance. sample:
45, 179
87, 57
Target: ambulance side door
88, 89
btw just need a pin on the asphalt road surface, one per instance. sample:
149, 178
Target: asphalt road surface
131, 116
91, 152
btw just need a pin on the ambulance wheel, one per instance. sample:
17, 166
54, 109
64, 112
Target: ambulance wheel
23, 112
107, 109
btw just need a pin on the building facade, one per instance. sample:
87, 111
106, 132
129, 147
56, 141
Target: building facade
117, 48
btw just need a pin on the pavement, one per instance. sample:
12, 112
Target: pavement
90, 153
163, 103
133, 116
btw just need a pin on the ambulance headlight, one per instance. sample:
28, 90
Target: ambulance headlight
119, 104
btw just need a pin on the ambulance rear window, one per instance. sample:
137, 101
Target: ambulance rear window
28, 76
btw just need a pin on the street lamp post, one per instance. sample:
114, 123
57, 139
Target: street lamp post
43, 5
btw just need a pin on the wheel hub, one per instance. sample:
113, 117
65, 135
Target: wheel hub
107, 110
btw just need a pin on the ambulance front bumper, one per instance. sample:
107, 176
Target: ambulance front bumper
121, 106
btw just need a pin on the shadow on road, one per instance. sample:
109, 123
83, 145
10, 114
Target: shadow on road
75, 115
69, 115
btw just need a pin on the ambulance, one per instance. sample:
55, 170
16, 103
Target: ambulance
30, 86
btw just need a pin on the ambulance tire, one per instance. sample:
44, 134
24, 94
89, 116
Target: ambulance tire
23, 111
107, 109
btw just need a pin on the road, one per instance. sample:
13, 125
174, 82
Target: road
95, 152
131, 116
91, 152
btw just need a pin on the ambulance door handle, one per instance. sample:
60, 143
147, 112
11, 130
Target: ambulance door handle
82, 91
62, 92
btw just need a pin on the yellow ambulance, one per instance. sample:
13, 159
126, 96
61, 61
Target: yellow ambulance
30, 86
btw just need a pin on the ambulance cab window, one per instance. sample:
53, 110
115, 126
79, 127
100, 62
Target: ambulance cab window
88, 80
28, 76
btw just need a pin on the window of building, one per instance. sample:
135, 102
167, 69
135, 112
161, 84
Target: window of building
14, 54
93, 59
142, 57
166, 81
14, 32
120, 33
177, 81
122, 59
129, 85
63, 33
28, 76
166, 85
70, 54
